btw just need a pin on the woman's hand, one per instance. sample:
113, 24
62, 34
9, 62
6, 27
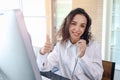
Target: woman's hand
48, 46
81, 47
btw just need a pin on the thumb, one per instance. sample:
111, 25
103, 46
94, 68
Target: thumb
47, 39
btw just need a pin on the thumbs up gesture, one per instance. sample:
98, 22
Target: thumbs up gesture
48, 46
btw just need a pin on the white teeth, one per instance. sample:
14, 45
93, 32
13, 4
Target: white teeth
75, 33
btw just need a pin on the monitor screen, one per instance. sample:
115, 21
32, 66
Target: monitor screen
17, 58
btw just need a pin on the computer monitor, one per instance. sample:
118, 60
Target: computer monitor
17, 58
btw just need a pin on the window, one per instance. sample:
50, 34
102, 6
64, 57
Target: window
62, 8
111, 30
9, 4
115, 33
34, 15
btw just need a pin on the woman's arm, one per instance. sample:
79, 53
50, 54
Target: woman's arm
47, 61
92, 65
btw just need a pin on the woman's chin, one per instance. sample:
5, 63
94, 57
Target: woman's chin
74, 40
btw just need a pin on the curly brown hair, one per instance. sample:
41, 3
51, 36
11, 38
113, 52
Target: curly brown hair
64, 30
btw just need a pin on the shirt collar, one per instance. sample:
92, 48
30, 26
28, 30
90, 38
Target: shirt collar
69, 44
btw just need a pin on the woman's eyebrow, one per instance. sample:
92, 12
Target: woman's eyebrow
73, 21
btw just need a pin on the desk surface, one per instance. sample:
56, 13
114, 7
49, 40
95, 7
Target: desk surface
52, 76
45, 78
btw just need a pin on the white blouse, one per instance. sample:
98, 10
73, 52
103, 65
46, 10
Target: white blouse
64, 59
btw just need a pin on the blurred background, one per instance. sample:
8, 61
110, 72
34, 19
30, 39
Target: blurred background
45, 17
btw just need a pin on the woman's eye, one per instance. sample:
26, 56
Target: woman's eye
83, 26
73, 23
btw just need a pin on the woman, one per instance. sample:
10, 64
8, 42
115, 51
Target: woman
76, 56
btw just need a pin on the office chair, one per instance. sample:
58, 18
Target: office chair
109, 69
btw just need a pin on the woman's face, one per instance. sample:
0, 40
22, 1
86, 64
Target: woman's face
77, 27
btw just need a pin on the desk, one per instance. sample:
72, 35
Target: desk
45, 78
52, 76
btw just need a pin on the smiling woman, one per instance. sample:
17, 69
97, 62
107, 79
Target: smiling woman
77, 27
76, 48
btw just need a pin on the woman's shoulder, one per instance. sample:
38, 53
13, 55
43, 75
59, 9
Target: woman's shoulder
59, 43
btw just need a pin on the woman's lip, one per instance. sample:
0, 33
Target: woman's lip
76, 34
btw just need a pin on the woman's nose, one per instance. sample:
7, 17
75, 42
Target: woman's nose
77, 28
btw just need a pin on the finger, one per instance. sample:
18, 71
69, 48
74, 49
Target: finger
48, 44
47, 39
47, 50
80, 41
48, 47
